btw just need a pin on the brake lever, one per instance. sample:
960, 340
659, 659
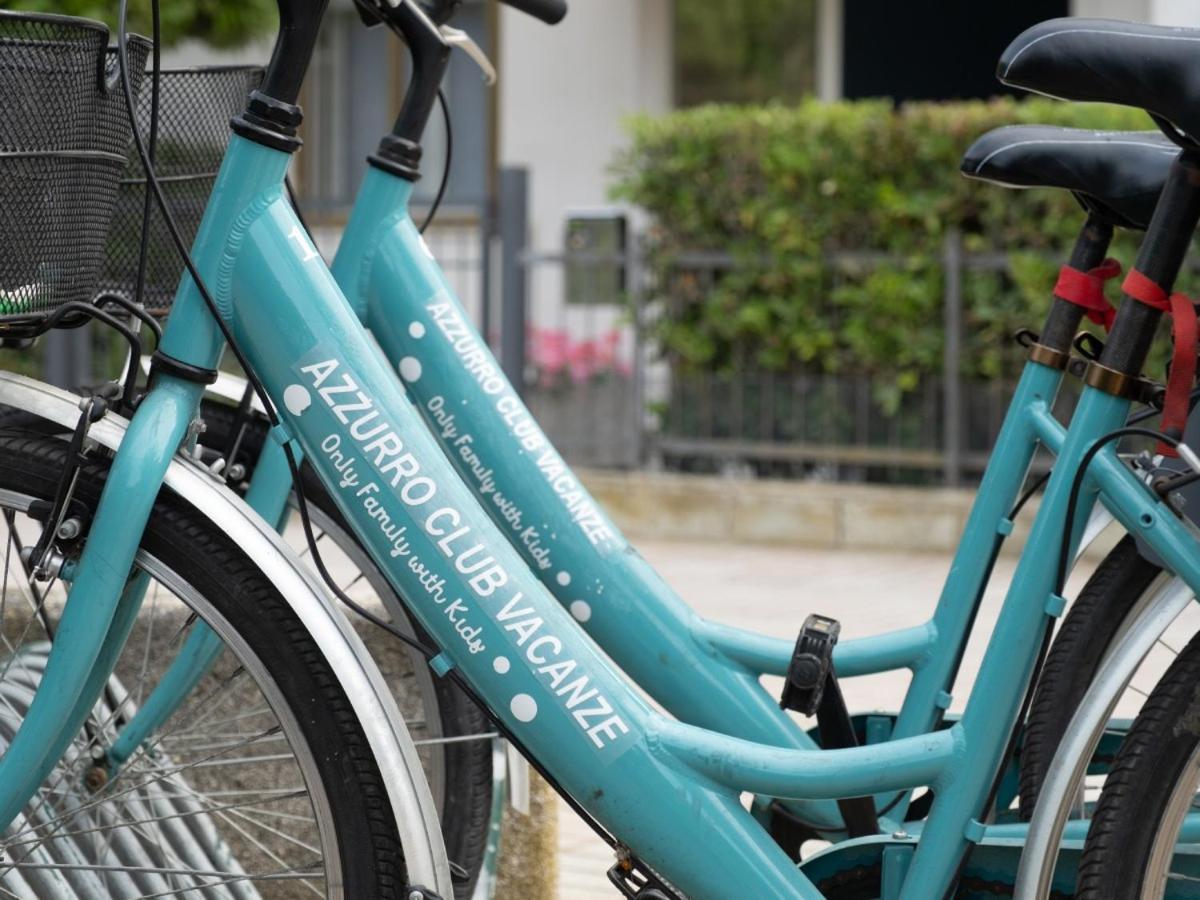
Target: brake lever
456, 37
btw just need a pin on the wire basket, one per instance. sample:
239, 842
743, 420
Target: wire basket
64, 138
194, 109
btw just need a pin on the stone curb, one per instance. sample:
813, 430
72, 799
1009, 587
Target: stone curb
807, 514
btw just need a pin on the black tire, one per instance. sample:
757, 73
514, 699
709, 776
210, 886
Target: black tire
1091, 625
372, 861
1153, 757
466, 801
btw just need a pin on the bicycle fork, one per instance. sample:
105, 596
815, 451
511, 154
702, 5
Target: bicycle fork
104, 600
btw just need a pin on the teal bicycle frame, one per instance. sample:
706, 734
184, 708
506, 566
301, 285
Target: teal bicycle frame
704, 673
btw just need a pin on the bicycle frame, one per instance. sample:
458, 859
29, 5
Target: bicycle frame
704, 673
667, 789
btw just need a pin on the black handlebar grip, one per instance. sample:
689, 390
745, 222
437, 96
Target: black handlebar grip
549, 11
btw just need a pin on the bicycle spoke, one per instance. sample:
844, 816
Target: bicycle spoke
461, 739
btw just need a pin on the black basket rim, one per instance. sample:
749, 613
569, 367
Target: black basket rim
201, 70
57, 18
78, 21
63, 154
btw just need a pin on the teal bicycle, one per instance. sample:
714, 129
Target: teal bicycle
667, 791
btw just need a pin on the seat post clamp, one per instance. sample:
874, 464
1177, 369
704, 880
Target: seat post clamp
1048, 356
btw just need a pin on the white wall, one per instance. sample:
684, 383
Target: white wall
196, 53
564, 92
1132, 10
1175, 12
1159, 12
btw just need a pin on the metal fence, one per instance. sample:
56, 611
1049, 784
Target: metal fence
836, 427
572, 330
634, 409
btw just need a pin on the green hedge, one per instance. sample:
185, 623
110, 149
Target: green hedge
782, 188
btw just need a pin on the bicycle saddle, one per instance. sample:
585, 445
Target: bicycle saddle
1151, 67
1115, 175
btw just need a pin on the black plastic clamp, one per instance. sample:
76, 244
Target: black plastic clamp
177, 368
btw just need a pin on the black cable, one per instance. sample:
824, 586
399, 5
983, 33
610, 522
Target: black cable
1029, 492
134, 310
1064, 553
302, 505
172, 226
1138, 417
441, 194
88, 311
185, 254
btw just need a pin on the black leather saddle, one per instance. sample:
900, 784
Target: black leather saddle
1151, 67
1115, 175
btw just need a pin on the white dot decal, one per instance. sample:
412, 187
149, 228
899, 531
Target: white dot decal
296, 398
410, 368
501, 664
417, 330
581, 610
524, 708
564, 578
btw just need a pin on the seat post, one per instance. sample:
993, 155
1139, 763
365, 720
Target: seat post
1159, 259
1091, 247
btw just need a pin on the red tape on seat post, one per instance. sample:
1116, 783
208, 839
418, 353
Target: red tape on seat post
1184, 333
1086, 289
1183, 369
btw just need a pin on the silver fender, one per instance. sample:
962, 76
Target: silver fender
1083, 734
1098, 522
412, 803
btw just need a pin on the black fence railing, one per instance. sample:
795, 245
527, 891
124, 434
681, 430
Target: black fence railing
634, 408
839, 427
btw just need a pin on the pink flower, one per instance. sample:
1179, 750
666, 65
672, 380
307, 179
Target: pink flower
554, 355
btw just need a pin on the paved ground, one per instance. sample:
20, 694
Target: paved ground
771, 590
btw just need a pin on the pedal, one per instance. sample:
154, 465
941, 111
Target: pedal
812, 689
635, 881
811, 665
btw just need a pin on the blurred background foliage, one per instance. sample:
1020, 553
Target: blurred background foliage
731, 51
785, 189
221, 23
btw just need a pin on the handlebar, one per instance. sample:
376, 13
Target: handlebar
422, 25
549, 11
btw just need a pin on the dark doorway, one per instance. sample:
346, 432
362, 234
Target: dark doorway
932, 49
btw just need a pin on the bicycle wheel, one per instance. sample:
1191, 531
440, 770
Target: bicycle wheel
1091, 626
454, 737
261, 784
1131, 849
